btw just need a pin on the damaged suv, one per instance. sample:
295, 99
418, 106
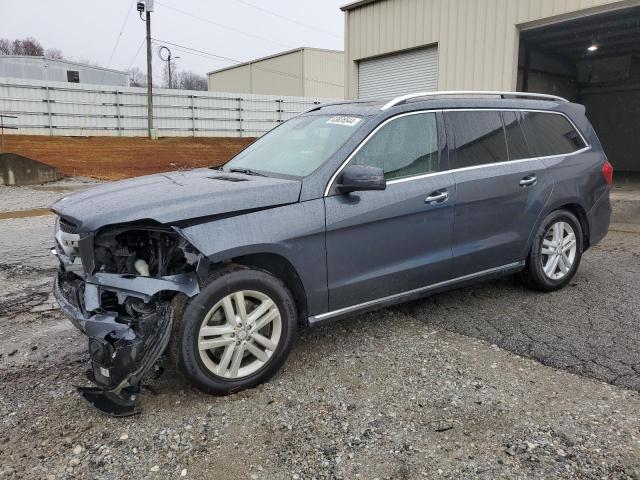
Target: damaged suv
346, 208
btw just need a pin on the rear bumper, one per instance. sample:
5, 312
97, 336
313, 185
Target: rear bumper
599, 218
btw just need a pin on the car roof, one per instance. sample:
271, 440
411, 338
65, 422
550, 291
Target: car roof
373, 107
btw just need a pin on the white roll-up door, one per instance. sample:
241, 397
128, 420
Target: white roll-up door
398, 74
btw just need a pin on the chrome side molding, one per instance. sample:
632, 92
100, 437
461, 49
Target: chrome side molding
390, 299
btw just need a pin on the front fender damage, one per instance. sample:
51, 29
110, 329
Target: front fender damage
126, 314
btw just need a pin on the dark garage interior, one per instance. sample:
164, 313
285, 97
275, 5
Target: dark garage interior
594, 60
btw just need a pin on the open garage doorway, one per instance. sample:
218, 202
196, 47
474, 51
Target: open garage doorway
593, 60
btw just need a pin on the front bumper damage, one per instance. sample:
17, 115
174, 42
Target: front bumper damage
123, 348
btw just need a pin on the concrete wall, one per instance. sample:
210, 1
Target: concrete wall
477, 40
302, 72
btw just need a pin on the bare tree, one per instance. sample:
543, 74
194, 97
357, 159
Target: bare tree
137, 78
5, 47
193, 81
28, 46
88, 61
54, 54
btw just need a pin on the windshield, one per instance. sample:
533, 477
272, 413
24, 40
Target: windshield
298, 146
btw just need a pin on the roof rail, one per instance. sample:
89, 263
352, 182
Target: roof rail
472, 93
333, 104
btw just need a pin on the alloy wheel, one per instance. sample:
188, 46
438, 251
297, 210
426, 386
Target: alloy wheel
558, 252
239, 334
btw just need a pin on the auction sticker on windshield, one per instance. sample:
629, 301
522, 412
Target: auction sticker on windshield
343, 120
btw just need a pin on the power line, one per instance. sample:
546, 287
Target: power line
124, 24
137, 53
197, 17
233, 60
292, 20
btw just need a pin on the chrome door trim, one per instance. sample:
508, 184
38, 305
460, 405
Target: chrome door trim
366, 139
372, 303
432, 174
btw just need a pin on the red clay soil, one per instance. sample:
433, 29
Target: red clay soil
113, 158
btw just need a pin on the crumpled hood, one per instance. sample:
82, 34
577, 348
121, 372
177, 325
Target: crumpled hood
174, 197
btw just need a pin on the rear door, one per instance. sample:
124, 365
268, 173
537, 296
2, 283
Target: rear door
501, 189
381, 243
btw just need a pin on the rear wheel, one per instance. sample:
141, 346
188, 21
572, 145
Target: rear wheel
555, 253
237, 332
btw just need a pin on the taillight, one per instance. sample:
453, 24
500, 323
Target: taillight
607, 172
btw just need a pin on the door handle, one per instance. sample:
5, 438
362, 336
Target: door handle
437, 197
528, 181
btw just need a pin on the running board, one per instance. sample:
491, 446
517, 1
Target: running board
411, 294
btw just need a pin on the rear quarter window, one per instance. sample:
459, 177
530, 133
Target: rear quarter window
551, 134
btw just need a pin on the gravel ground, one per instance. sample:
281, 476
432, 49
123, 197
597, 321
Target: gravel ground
40, 196
405, 392
590, 327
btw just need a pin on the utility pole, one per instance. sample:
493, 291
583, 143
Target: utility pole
147, 7
168, 60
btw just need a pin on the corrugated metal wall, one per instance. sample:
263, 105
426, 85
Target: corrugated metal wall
398, 74
40, 68
304, 72
323, 73
477, 39
57, 108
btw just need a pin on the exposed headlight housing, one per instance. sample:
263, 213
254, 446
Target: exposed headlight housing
67, 240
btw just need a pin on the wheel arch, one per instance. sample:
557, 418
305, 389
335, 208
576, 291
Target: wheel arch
573, 206
280, 267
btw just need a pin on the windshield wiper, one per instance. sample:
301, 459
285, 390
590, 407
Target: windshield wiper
246, 171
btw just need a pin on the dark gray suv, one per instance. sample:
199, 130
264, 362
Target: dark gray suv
346, 208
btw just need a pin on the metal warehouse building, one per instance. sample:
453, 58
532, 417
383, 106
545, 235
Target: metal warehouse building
585, 50
47, 69
303, 72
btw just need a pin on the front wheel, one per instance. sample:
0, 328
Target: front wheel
237, 332
555, 253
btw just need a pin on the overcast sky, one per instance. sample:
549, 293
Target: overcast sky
229, 28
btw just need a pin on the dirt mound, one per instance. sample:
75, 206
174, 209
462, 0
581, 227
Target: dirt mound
19, 170
112, 158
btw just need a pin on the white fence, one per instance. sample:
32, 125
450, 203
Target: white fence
58, 108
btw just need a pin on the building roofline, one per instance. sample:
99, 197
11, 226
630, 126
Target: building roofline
356, 4
275, 55
69, 62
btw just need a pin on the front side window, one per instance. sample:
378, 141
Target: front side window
551, 134
478, 137
404, 147
298, 146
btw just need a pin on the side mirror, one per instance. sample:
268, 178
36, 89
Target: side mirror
357, 178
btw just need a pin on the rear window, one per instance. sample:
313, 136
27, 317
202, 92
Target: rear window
551, 134
478, 137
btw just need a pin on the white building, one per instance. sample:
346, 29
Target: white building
42, 68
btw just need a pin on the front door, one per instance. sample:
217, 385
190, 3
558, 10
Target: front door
381, 243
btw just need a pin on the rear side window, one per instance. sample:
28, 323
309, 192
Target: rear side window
405, 147
551, 134
478, 137
517, 144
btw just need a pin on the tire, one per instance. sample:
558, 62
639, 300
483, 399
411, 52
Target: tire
541, 275
208, 321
